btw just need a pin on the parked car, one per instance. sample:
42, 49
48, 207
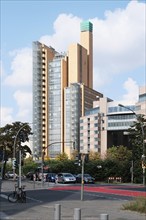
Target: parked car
10, 174
29, 175
65, 178
51, 177
39, 175
87, 178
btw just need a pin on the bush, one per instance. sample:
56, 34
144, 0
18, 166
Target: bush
138, 205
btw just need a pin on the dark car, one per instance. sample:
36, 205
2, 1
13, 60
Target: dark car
87, 178
51, 177
29, 175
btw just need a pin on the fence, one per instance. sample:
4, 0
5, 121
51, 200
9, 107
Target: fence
77, 214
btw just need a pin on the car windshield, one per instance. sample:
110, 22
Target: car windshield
67, 175
87, 175
52, 174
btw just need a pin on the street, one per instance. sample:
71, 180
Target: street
97, 199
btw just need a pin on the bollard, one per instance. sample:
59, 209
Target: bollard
103, 216
77, 214
34, 179
57, 213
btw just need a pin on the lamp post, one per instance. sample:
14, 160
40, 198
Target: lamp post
43, 155
14, 155
143, 146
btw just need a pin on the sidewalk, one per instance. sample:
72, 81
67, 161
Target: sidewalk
37, 210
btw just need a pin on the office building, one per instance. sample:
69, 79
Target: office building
106, 124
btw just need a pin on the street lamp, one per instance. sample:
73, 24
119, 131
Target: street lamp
142, 130
14, 155
43, 155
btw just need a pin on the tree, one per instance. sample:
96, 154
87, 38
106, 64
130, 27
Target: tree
119, 153
9, 137
118, 162
137, 137
62, 157
94, 155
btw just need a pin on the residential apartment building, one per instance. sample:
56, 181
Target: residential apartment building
62, 91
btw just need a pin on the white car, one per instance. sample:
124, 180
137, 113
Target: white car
66, 178
10, 174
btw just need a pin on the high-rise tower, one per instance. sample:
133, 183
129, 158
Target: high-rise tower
42, 55
80, 67
62, 91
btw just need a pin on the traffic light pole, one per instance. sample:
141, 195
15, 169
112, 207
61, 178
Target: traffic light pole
19, 178
82, 180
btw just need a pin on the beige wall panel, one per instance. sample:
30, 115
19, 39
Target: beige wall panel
73, 63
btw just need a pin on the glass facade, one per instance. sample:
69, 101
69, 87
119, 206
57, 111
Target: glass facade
120, 118
37, 101
72, 113
142, 97
54, 106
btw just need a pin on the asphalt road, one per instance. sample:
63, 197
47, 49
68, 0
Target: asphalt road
42, 199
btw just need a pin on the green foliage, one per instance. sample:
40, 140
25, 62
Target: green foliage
119, 153
95, 169
137, 135
118, 162
9, 139
29, 167
62, 157
94, 155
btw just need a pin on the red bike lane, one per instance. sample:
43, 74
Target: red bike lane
116, 190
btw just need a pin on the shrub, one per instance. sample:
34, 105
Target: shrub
138, 205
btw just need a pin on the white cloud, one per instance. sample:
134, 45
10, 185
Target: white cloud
21, 68
66, 31
1, 69
24, 103
6, 116
132, 90
119, 42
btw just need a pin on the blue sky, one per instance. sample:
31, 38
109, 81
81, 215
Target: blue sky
118, 39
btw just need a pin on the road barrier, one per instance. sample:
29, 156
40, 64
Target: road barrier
77, 214
113, 179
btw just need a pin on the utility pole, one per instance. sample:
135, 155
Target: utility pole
132, 171
19, 178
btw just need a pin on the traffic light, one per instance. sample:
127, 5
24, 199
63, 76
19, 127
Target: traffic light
15, 164
78, 160
86, 158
